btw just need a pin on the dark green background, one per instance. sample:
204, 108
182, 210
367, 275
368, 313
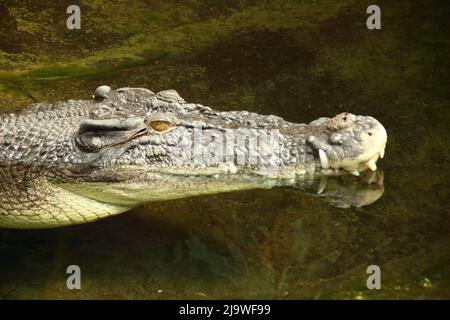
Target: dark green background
297, 59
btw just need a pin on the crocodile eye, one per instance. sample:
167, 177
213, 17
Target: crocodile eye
161, 125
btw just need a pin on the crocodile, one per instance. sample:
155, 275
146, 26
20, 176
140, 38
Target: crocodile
82, 160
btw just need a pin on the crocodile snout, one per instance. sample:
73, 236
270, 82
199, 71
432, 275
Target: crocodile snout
350, 142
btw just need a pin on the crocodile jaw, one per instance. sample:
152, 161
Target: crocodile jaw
374, 148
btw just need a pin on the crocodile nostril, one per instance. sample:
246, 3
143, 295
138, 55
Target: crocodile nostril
370, 134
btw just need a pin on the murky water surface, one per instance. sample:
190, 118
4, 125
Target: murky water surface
297, 59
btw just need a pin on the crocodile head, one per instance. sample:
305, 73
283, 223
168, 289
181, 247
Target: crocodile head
78, 161
136, 127
157, 146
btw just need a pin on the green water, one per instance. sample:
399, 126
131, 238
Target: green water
297, 59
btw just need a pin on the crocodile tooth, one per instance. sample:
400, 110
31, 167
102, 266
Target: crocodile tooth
370, 177
322, 185
355, 172
382, 153
380, 178
371, 165
324, 159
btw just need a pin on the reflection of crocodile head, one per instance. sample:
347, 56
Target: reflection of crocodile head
346, 191
79, 161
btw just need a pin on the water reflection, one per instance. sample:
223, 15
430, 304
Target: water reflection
349, 191
239, 246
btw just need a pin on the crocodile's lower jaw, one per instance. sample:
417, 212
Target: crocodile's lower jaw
364, 162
